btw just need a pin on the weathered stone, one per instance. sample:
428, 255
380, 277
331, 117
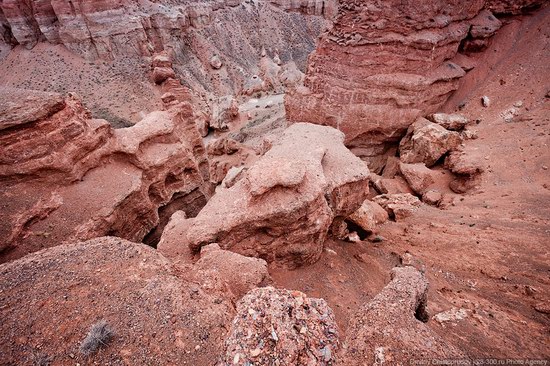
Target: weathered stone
432, 197
82, 187
237, 273
387, 329
283, 206
453, 122
160, 74
398, 206
418, 176
426, 142
369, 215
277, 326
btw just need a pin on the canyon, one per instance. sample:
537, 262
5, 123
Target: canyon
274, 182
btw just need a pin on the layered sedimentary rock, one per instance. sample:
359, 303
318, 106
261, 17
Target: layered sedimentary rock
194, 33
389, 328
326, 8
87, 179
281, 208
383, 64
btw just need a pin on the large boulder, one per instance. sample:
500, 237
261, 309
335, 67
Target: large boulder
467, 167
390, 329
282, 207
281, 327
369, 215
51, 298
453, 122
224, 111
419, 177
426, 142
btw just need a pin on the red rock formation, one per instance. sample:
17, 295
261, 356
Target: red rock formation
87, 179
389, 328
383, 64
281, 327
282, 207
326, 8
193, 32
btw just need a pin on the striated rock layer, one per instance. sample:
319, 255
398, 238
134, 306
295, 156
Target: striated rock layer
384, 63
64, 176
194, 32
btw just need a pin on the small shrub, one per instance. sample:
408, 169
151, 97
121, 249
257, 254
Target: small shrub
99, 335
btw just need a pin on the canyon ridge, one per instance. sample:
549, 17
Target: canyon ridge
274, 182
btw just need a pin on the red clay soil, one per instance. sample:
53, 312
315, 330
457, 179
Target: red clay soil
488, 252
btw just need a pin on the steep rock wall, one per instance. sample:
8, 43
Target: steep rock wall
192, 32
64, 176
384, 63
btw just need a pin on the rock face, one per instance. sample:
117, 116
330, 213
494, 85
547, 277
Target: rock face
282, 207
87, 179
326, 8
66, 289
382, 65
281, 327
194, 32
389, 329
369, 215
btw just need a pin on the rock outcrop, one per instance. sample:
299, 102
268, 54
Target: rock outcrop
326, 8
51, 298
390, 329
87, 179
282, 207
385, 63
193, 32
277, 326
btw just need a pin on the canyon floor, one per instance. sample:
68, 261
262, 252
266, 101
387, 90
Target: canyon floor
181, 299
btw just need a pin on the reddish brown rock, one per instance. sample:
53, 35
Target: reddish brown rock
236, 273
452, 122
398, 206
419, 177
143, 298
88, 180
283, 206
369, 215
432, 197
389, 328
468, 168
383, 65
160, 74
224, 112
426, 142
373, 95
277, 326
190, 31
